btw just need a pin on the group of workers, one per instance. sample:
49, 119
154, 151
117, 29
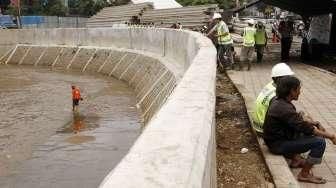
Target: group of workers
285, 130
254, 39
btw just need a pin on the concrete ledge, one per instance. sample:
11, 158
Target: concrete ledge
177, 148
177, 155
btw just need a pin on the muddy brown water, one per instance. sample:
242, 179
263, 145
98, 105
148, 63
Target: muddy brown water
44, 144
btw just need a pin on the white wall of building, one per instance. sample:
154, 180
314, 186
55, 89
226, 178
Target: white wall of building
160, 4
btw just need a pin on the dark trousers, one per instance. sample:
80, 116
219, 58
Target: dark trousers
285, 48
224, 54
260, 52
316, 146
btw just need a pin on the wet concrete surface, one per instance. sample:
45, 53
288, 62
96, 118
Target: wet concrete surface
44, 144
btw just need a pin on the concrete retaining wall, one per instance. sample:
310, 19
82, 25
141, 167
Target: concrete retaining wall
177, 147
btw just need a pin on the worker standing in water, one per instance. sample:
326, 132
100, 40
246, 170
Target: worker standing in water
76, 96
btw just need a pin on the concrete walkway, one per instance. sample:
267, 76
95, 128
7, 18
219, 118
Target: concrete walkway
318, 99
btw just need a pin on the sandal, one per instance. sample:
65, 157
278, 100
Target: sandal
311, 179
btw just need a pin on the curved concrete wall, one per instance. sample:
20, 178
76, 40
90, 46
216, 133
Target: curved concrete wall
177, 147
150, 79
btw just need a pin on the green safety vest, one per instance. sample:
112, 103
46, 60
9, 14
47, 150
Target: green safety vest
261, 105
260, 36
223, 39
249, 34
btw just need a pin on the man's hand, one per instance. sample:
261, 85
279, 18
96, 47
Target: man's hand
319, 126
310, 120
333, 139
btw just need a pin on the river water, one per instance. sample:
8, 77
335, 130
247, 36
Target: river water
44, 144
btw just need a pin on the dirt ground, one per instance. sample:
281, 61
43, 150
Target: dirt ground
233, 132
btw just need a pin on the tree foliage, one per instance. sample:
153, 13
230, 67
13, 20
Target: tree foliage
57, 7
225, 4
40, 7
4, 4
82, 7
91, 7
119, 2
54, 8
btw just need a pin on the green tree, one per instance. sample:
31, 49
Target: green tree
86, 7
224, 4
34, 8
42, 7
119, 2
10, 10
54, 8
100, 4
4, 4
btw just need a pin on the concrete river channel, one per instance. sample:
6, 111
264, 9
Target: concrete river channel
43, 144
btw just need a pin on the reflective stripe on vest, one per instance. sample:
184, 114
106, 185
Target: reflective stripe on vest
260, 37
249, 33
223, 39
261, 106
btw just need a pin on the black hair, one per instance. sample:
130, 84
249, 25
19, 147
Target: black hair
285, 85
277, 79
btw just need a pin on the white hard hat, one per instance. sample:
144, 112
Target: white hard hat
216, 16
281, 69
250, 21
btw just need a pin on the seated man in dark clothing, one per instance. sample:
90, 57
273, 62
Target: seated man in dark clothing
287, 133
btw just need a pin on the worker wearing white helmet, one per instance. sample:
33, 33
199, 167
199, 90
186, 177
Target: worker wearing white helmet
267, 93
260, 40
248, 43
216, 16
224, 39
250, 22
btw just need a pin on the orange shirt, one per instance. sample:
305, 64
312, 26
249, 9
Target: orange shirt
76, 94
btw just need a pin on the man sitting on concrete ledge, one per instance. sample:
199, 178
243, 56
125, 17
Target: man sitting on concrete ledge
267, 93
287, 133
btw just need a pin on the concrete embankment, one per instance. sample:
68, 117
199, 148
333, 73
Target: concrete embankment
173, 76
